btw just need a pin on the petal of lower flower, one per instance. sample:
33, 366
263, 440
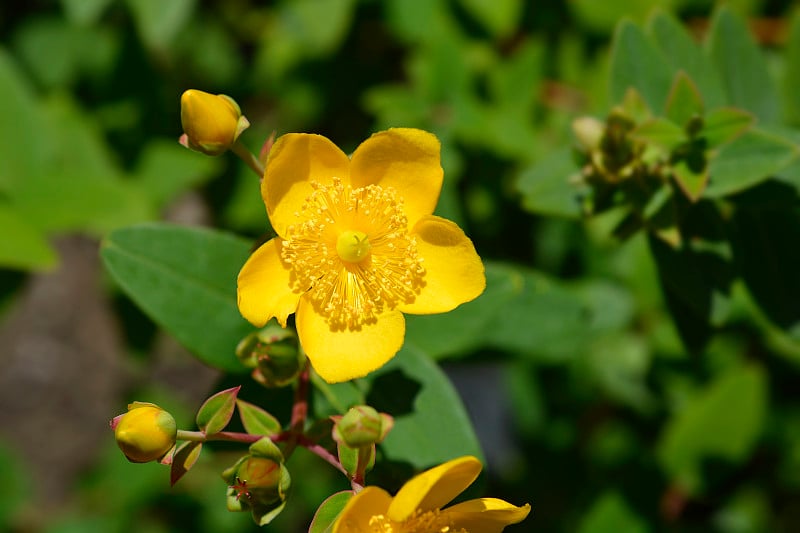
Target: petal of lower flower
406, 159
348, 354
434, 488
295, 161
358, 511
487, 515
454, 273
264, 288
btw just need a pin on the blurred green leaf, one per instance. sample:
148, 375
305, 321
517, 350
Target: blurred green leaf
744, 72
603, 16
725, 124
418, 20
684, 54
660, 131
610, 513
84, 12
723, 421
165, 169
185, 280
546, 186
684, 100
22, 245
499, 17
791, 76
637, 62
748, 160
15, 479
159, 22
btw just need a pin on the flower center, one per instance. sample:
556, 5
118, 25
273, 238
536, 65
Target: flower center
352, 246
351, 253
428, 522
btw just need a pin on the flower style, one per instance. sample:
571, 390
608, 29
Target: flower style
357, 247
417, 506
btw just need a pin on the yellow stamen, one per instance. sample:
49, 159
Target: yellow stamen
350, 275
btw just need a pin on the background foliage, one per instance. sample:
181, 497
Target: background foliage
615, 380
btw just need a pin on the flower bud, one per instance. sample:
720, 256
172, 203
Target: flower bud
145, 433
274, 354
588, 131
211, 122
361, 426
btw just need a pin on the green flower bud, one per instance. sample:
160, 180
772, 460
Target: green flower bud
274, 354
145, 433
211, 122
361, 426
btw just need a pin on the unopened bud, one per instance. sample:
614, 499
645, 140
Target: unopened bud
211, 122
258, 482
274, 354
361, 426
145, 433
588, 131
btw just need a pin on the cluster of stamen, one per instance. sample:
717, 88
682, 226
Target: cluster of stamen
419, 522
353, 293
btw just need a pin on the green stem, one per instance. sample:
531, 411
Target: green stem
230, 436
247, 156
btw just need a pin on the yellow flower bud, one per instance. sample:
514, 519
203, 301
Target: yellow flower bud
145, 433
211, 122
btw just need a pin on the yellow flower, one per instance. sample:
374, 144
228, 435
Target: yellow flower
145, 433
357, 247
211, 122
417, 507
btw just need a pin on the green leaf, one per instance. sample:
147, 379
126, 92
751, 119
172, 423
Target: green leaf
256, 420
684, 101
546, 186
14, 475
183, 460
745, 76
660, 131
637, 62
217, 410
22, 245
691, 180
159, 22
725, 124
747, 161
791, 64
329, 511
499, 17
723, 421
185, 280
430, 423
610, 513
84, 12
683, 53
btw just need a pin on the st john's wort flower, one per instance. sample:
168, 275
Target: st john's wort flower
357, 247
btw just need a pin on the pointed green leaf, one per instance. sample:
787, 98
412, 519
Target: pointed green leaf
660, 131
745, 76
611, 513
547, 187
637, 62
185, 280
184, 459
693, 182
725, 124
216, 411
684, 54
747, 161
724, 421
329, 511
256, 420
684, 101
499, 17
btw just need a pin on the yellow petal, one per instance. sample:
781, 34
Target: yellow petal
348, 354
434, 488
454, 273
296, 160
356, 514
406, 159
264, 288
487, 515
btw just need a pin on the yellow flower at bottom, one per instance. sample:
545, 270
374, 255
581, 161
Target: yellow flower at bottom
417, 507
357, 247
